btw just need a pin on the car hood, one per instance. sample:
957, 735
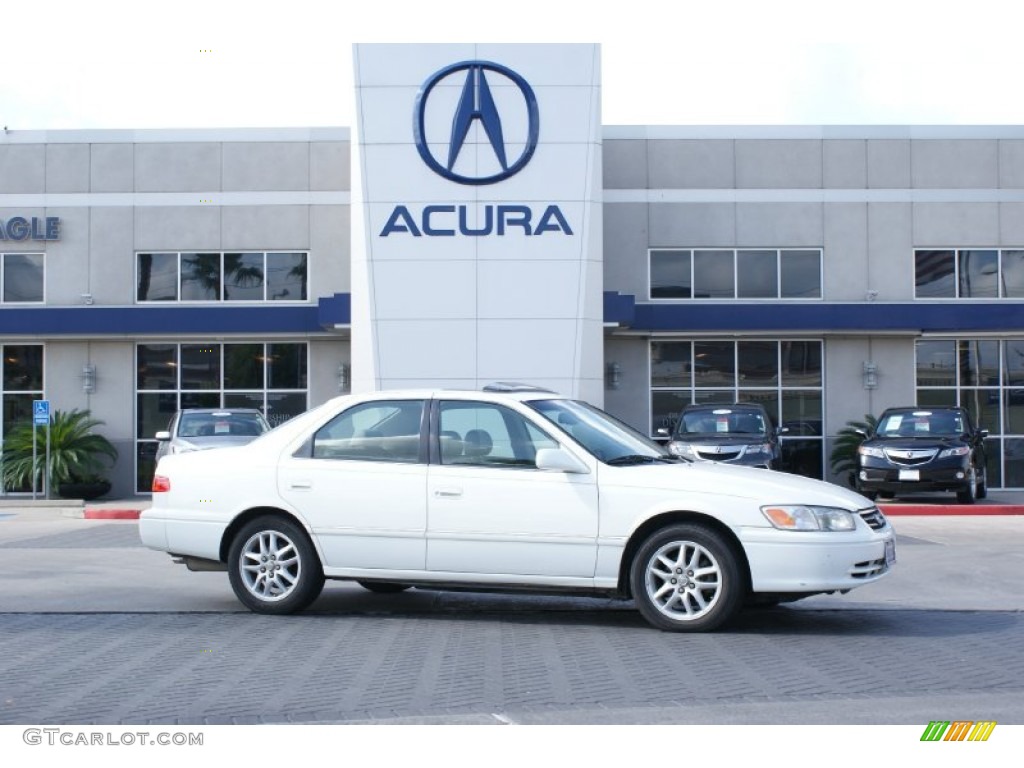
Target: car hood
760, 485
747, 439
913, 443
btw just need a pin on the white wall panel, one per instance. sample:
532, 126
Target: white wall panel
529, 303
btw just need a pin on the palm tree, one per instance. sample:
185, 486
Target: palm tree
75, 452
843, 458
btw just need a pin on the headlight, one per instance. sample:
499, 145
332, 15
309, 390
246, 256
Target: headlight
760, 448
183, 448
798, 517
867, 450
682, 449
963, 450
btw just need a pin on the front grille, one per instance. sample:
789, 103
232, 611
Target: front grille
874, 518
713, 456
868, 569
909, 458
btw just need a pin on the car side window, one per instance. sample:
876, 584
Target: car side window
384, 430
486, 434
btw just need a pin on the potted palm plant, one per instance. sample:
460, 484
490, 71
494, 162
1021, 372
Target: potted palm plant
76, 457
843, 458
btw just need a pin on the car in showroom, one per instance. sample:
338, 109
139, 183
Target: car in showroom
737, 433
199, 429
917, 450
509, 488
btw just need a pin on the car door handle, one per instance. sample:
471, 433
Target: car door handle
301, 485
448, 493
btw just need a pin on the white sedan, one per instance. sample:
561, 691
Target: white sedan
509, 488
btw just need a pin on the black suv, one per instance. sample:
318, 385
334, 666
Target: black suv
738, 433
916, 450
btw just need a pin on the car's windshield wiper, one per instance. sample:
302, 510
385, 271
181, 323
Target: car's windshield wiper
637, 458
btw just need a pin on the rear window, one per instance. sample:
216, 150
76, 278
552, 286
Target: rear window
222, 424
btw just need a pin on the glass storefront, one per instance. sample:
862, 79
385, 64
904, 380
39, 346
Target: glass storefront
784, 376
272, 377
986, 376
21, 373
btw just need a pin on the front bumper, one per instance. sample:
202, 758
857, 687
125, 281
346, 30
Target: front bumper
879, 475
792, 561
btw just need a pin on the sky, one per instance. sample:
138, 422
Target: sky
220, 63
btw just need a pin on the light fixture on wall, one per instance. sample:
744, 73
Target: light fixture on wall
344, 377
870, 375
88, 379
613, 376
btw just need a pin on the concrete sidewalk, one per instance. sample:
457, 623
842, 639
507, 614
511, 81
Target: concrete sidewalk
125, 509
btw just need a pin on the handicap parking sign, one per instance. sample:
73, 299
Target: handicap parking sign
41, 412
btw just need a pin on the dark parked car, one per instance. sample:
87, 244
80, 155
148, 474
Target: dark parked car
197, 429
916, 450
737, 433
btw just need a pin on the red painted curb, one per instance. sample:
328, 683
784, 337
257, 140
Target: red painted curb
975, 510
112, 514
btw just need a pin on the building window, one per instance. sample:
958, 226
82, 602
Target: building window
21, 278
271, 377
761, 273
784, 376
969, 274
21, 375
232, 276
985, 376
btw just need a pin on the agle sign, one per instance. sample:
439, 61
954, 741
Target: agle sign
18, 228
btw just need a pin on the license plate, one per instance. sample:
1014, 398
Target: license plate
890, 552
910, 474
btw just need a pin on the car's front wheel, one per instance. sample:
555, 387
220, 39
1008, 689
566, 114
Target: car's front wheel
273, 567
686, 578
969, 493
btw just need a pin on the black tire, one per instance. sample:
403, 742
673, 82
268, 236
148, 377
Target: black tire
969, 493
283, 549
705, 603
871, 495
384, 587
983, 485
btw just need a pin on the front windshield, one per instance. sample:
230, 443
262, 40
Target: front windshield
921, 424
604, 436
722, 421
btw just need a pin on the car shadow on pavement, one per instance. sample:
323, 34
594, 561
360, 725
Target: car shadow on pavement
620, 614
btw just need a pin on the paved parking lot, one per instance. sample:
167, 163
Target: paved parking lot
97, 629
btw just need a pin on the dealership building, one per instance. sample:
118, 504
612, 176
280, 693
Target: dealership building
478, 223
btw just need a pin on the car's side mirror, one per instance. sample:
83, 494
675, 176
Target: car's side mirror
662, 432
862, 432
163, 435
782, 431
982, 434
560, 460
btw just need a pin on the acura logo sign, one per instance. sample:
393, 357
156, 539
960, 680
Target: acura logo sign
477, 106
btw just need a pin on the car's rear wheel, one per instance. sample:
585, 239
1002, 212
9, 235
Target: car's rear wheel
384, 587
969, 493
273, 567
686, 578
983, 484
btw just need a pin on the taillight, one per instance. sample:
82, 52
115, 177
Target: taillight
161, 484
